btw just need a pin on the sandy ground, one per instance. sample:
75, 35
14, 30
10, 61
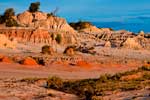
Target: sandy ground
66, 72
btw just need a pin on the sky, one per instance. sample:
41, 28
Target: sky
89, 10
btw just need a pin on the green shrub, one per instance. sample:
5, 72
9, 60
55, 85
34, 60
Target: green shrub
11, 22
7, 18
9, 13
2, 20
80, 25
47, 50
54, 82
50, 15
34, 7
146, 68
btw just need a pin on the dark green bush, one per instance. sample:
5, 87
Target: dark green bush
7, 18
9, 13
11, 22
34, 7
80, 25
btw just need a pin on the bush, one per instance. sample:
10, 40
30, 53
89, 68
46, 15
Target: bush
58, 38
34, 6
70, 50
7, 18
50, 15
47, 50
11, 22
2, 19
54, 82
80, 25
9, 13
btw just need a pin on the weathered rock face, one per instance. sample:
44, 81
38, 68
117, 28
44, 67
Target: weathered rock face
107, 44
25, 18
39, 16
92, 29
132, 43
28, 35
53, 24
5, 42
141, 34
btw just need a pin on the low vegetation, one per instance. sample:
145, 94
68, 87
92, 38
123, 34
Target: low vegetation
80, 25
8, 19
94, 89
46, 49
34, 7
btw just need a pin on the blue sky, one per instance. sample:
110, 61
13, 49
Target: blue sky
91, 10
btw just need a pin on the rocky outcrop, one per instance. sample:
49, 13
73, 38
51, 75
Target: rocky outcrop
107, 44
28, 35
131, 43
25, 18
53, 24
92, 30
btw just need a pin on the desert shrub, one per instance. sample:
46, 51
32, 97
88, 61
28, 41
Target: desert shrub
104, 78
80, 25
7, 18
146, 76
130, 85
11, 22
58, 38
34, 7
46, 49
88, 92
9, 13
54, 82
70, 47
50, 15
146, 68
92, 89
2, 20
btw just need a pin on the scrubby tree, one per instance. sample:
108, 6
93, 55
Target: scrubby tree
11, 22
2, 19
7, 18
34, 7
9, 13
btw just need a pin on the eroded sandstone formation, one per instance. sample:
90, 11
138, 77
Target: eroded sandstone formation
8, 43
38, 27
